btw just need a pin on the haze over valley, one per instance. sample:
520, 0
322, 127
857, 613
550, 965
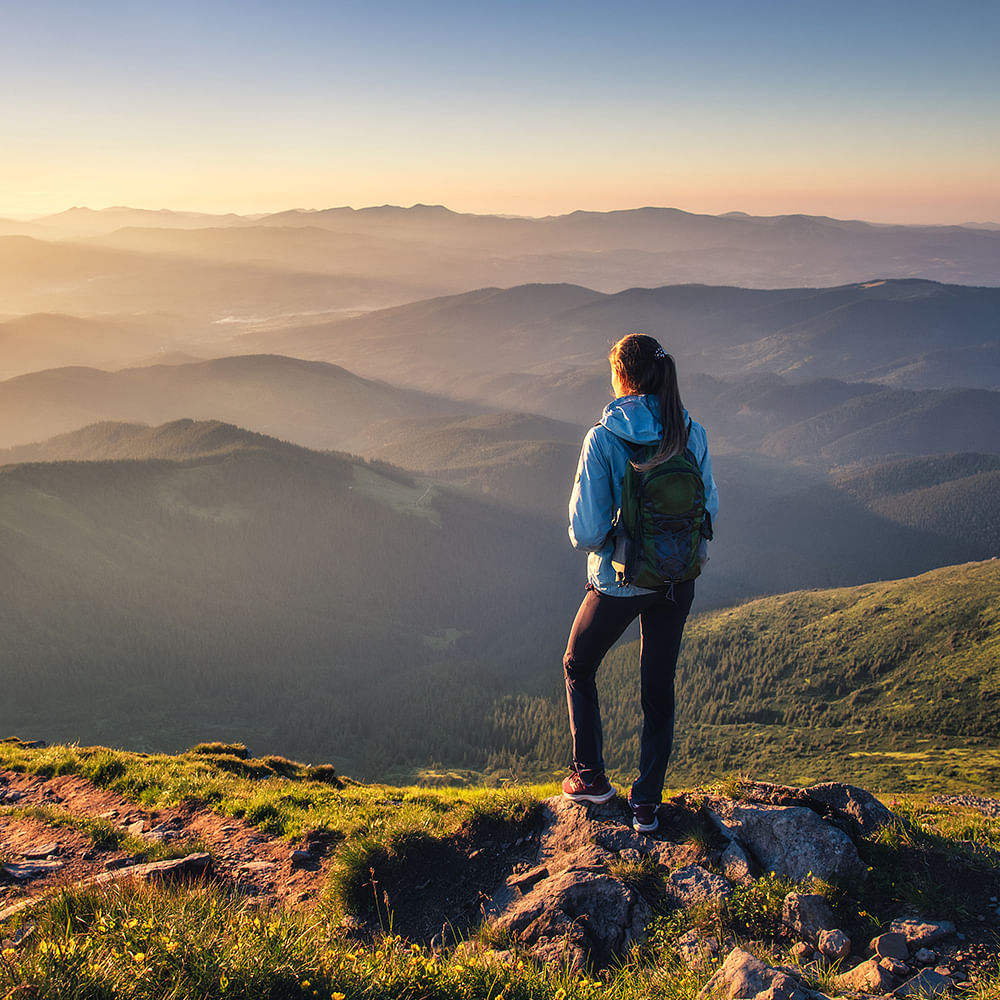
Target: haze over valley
274, 477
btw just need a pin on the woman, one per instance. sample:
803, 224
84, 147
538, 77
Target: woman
646, 410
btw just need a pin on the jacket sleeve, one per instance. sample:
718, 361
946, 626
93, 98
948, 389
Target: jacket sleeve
699, 445
591, 504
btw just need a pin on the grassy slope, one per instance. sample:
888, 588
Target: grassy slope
158, 943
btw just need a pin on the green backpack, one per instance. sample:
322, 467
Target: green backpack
662, 522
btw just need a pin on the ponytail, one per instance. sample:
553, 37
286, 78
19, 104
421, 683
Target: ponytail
644, 368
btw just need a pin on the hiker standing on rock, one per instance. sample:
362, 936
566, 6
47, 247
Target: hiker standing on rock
646, 529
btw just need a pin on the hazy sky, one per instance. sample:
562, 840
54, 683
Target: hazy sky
880, 110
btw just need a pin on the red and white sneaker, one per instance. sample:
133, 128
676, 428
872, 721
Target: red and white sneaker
576, 789
644, 818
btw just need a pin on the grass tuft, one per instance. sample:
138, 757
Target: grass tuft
215, 749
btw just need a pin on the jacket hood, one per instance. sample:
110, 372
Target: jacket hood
634, 418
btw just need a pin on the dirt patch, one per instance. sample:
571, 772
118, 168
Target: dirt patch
436, 890
257, 866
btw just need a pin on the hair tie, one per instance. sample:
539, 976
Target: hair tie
660, 354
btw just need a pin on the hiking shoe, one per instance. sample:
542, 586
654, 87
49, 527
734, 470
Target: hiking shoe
643, 815
576, 789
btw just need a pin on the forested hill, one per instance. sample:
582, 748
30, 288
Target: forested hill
177, 440
894, 680
269, 593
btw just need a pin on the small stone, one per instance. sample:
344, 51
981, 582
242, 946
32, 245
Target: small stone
925, 956
891, 945
115, 863
735, 863
135, 829
525, 882
256, 867
834, 944
801, 952
302, 859
22, 934
741, 975
784, 987
942, 970
895, 966
41, 852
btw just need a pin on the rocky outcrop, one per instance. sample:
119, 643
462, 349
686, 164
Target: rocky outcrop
583, 914
791, 841
577, 903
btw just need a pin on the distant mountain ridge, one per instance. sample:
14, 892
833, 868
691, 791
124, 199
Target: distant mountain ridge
908, 333
613, 250
316, 405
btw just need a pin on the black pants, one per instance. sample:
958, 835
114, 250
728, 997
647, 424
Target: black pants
599, 623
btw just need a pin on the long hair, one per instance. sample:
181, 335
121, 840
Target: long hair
644, 368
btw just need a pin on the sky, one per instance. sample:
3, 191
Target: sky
885, 111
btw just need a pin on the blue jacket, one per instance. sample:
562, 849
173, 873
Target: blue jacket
597, 491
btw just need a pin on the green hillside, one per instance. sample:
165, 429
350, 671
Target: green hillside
290, 595
894, 683
197, 579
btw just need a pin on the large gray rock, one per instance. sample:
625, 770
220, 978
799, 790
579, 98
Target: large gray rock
26, 872
808, 914
568, 826
581, 915
865, 813
791, 841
